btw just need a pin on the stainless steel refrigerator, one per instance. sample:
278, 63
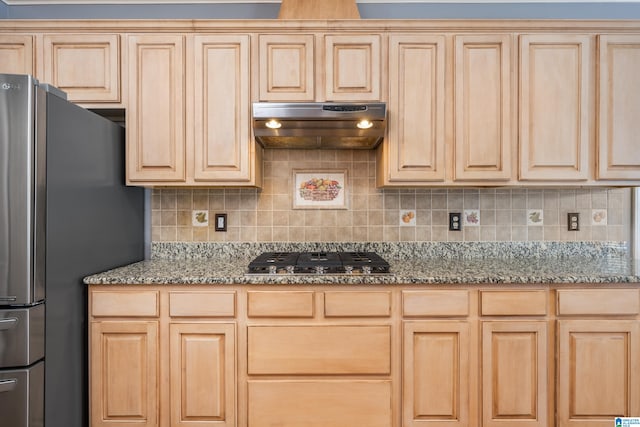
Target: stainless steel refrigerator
65, 213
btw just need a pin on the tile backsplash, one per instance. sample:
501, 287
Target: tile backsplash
389, 215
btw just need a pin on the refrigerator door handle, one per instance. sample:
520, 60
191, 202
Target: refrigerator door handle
6, 324
8, 385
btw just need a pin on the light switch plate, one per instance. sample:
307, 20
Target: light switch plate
221, 222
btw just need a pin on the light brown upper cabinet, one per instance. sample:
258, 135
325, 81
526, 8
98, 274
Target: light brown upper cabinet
619, 109
16, 54
223, 150
190, 131
414, 152
287, 67
85, 66
352, 67
318, 67
156, 148
555, 100
483, 107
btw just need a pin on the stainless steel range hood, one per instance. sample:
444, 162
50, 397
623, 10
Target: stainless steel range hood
326, 125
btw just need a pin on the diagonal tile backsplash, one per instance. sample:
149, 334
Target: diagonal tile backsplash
389, 215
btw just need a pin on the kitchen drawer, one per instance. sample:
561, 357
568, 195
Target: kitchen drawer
123, 303
319, 350
513, 303
435, 303
202, 304
357, 304
338, 403
280, 303
620, 302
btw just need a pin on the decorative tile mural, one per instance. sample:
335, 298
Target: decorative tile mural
390, 215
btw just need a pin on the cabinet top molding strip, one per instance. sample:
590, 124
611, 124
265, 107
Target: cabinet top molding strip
296, 26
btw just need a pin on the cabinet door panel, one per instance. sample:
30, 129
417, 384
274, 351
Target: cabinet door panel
124, 367
287, 67
202, 378
555, 77
85, 66
416, 140
619, 109
353, 66
436, 374
598, 371
482, 107
222, 144
514, 374
16, 54
155, 117
320, 403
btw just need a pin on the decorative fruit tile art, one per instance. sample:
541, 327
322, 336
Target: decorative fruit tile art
407, 218
535, 217
471, 218
598, 217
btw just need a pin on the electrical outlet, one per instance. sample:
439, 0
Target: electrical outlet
221, 222
573, 221
455, 221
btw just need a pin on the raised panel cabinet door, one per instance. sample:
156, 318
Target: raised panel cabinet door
85, 66
124, 374
483, 107
156, 144
287, 67
435, 374
619, 107
16, 54
555, 82
598, 371
352, 67
202, 374
222, 145
415, 147
515, 370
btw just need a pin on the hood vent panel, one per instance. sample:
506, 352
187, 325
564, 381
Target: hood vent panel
319, 125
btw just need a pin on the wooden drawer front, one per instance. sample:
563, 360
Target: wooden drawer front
305, 350
280, 304
357, 304
124, 303
320, 403
598, 301
435, 303
202, 304
513, 303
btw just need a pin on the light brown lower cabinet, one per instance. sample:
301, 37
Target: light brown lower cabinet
124, 373
389, 356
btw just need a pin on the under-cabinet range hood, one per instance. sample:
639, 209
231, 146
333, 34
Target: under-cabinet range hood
328, 125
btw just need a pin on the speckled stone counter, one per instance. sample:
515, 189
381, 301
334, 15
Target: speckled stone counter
411, 263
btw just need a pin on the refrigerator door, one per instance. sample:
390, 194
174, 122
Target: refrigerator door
17, 192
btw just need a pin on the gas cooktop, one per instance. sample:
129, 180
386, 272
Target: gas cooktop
318, 263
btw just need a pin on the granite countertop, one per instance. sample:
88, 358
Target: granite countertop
457, 263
